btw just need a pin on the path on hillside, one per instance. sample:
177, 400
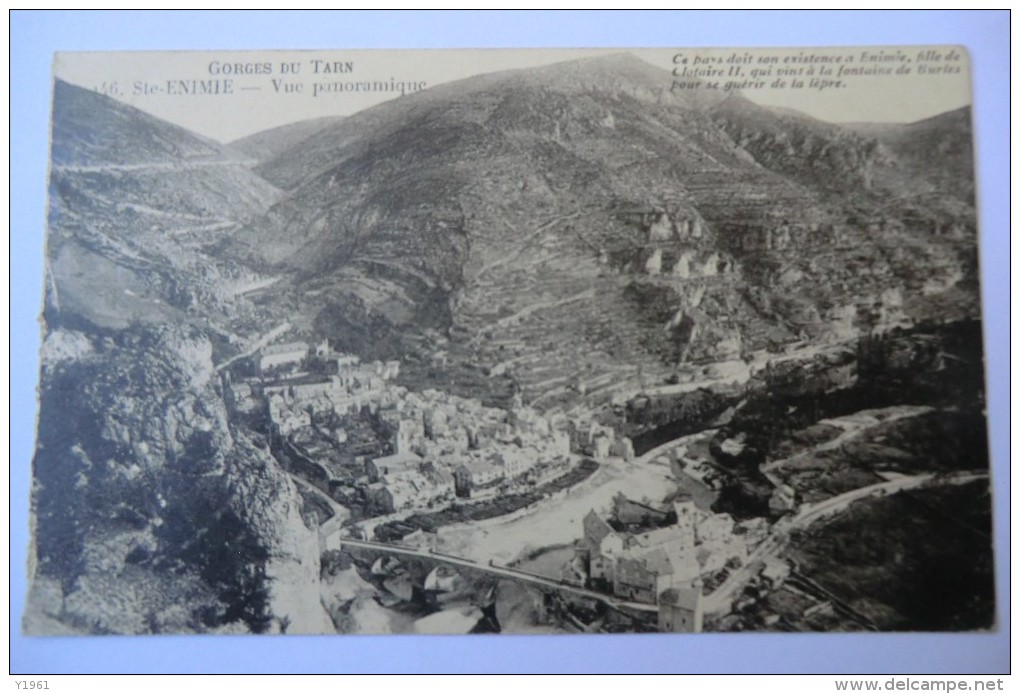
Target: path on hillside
256, 345
185, 165
853, 426
524, 243
809, 513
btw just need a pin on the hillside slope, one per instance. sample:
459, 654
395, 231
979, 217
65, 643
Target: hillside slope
579, 226
268, 144
151, 513
138, 208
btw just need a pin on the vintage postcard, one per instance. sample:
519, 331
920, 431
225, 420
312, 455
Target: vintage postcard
512, 341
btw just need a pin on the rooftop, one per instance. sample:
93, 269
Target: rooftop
657, 537
285, 348
686, 598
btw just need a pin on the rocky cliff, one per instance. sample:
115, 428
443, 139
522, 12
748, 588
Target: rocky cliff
151, 514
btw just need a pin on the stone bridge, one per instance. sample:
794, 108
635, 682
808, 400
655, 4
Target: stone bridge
546, 584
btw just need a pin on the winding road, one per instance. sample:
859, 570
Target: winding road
719, 600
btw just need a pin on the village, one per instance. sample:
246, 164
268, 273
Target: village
677, 553
368, 454
370, 445
555, 497
365, 449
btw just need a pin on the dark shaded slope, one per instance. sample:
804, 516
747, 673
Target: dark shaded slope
816, 153
135, 206
935, 154
90, 129
268, 144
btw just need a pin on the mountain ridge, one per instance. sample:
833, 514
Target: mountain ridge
135, 205
685, 220
92, 129
568, 77
266, 144
538, 237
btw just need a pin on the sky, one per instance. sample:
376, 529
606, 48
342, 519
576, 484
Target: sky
229, 94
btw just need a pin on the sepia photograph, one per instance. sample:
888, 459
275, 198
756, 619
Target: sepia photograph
512, 341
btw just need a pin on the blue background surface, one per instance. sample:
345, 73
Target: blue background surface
36, 35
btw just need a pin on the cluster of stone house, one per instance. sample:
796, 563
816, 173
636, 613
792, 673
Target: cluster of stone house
443, 446
587, 437
526, 447
643, 565
485, 450
298, 358
448, 446
297, 380
405, 481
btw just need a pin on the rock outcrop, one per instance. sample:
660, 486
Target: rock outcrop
151, 514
